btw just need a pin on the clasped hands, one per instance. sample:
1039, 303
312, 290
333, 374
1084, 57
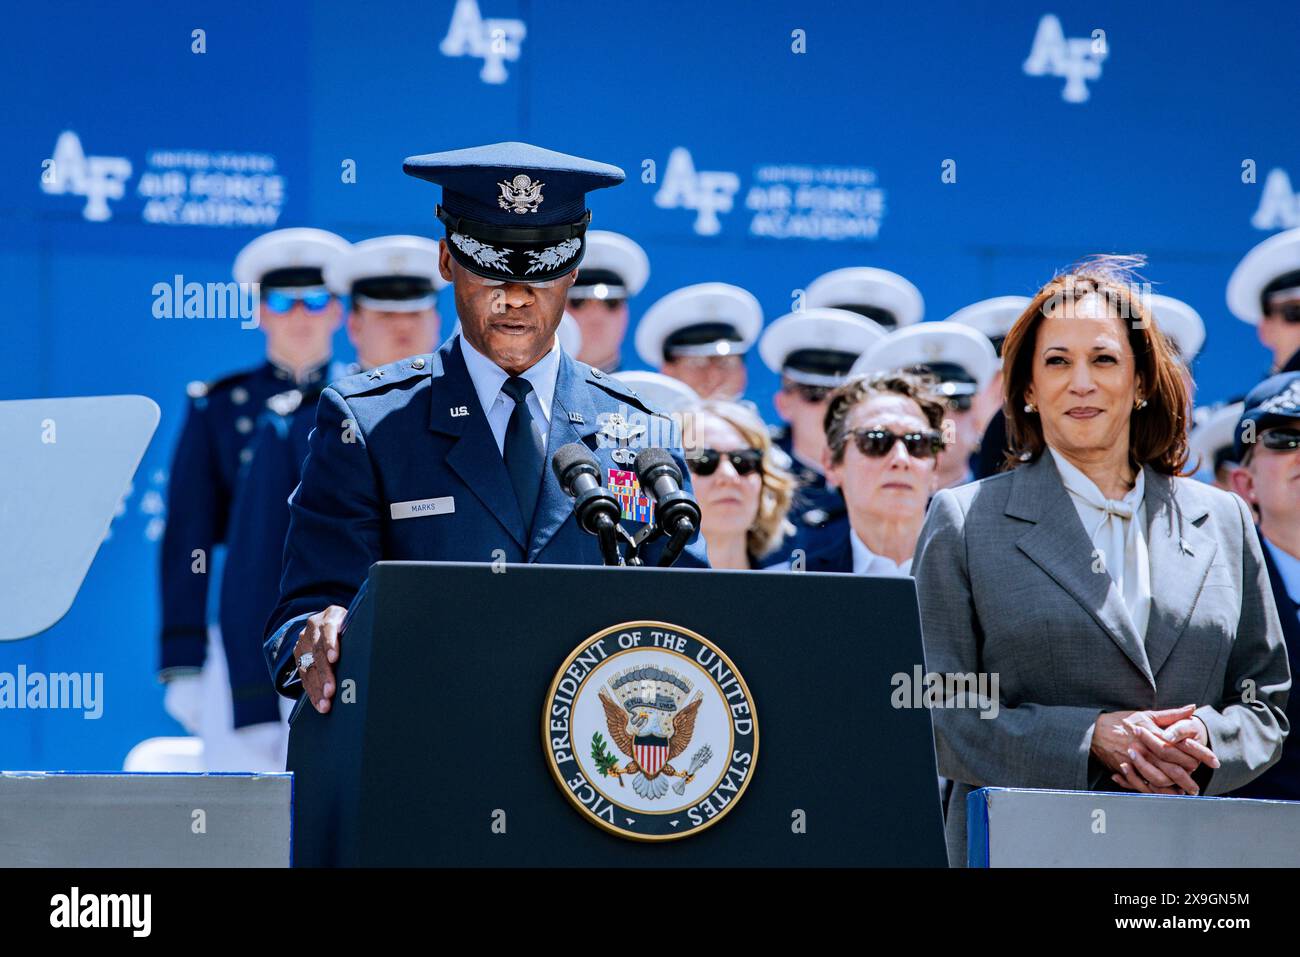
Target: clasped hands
1154, 752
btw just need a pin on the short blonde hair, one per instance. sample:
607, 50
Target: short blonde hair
770, 525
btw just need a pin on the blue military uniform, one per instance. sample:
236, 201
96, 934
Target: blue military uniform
404, 464
395, 438
259, 521
214, 443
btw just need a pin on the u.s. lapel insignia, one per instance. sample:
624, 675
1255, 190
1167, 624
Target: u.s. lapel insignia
650, 731
521, 194
576, 418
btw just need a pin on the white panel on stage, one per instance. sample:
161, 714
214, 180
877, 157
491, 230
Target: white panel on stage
1014, 827
145, 820
67, 465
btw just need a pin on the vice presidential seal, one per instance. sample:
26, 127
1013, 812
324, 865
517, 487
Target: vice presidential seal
650, 731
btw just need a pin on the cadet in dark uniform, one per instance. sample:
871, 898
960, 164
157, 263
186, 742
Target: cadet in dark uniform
812, 351
700, 335
614, 270
392, 284
298, 315
1266, 479
447, 457
1265, 291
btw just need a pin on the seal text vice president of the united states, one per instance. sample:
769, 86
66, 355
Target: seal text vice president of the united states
1126, 609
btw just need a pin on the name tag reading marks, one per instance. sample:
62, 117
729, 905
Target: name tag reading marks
422, 507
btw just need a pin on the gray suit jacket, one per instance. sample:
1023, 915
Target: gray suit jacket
1004, 574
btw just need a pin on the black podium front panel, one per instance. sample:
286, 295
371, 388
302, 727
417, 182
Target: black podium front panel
436, 756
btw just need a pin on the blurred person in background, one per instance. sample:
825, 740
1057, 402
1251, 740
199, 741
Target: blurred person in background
883, 440
392, 284
744, 494
614, 270
1264, 290
1268, 447
963, 362
298, 316
812, 351
700, 334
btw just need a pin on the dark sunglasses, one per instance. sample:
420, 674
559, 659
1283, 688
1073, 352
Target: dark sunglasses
960, 403
1289, 313
610, 304
878, 442
744, 461
1281, 440
278, 300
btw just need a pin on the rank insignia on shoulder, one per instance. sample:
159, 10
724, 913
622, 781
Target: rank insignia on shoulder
636, 507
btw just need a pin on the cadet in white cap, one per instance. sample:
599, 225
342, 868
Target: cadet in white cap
963, 361
393, 284
663, 393
700, 335
812, 351
879, 295
1265, 291
298, 316
614, 270
993, 317
1211, 440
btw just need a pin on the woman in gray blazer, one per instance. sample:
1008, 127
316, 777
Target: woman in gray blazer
1125, 610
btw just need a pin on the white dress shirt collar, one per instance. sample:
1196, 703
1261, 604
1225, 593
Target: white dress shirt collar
867, 562
1288, 568
488, 377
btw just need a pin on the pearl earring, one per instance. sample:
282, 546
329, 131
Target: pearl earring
1142, 404
1030, 407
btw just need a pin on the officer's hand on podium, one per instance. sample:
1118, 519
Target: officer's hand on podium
183, 700
320, 639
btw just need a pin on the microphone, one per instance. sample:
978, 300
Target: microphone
596, 508
679, 515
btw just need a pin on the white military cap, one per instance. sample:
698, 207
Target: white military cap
1181, 324
707, 319
817, 346
570, 335
288, 257
389, 273
662, 392
1269, 268
1212, 437
962, 359
993, 317
614, 267
878, 294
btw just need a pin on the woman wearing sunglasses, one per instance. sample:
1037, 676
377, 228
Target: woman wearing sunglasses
1124, 610
744, 495
883, 440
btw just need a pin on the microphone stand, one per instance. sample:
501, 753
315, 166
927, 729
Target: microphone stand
676, 542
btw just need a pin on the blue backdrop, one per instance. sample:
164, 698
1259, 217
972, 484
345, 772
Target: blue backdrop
765, 143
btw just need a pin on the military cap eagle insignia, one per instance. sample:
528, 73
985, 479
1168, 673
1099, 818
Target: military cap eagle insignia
521, 194
650, 731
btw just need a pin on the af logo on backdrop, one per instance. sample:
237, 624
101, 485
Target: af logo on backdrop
650, 731
1076, 59
493, 40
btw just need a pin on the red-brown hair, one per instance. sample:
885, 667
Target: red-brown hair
1157, 433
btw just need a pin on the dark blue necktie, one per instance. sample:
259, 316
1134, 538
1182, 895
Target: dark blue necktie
524, 455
